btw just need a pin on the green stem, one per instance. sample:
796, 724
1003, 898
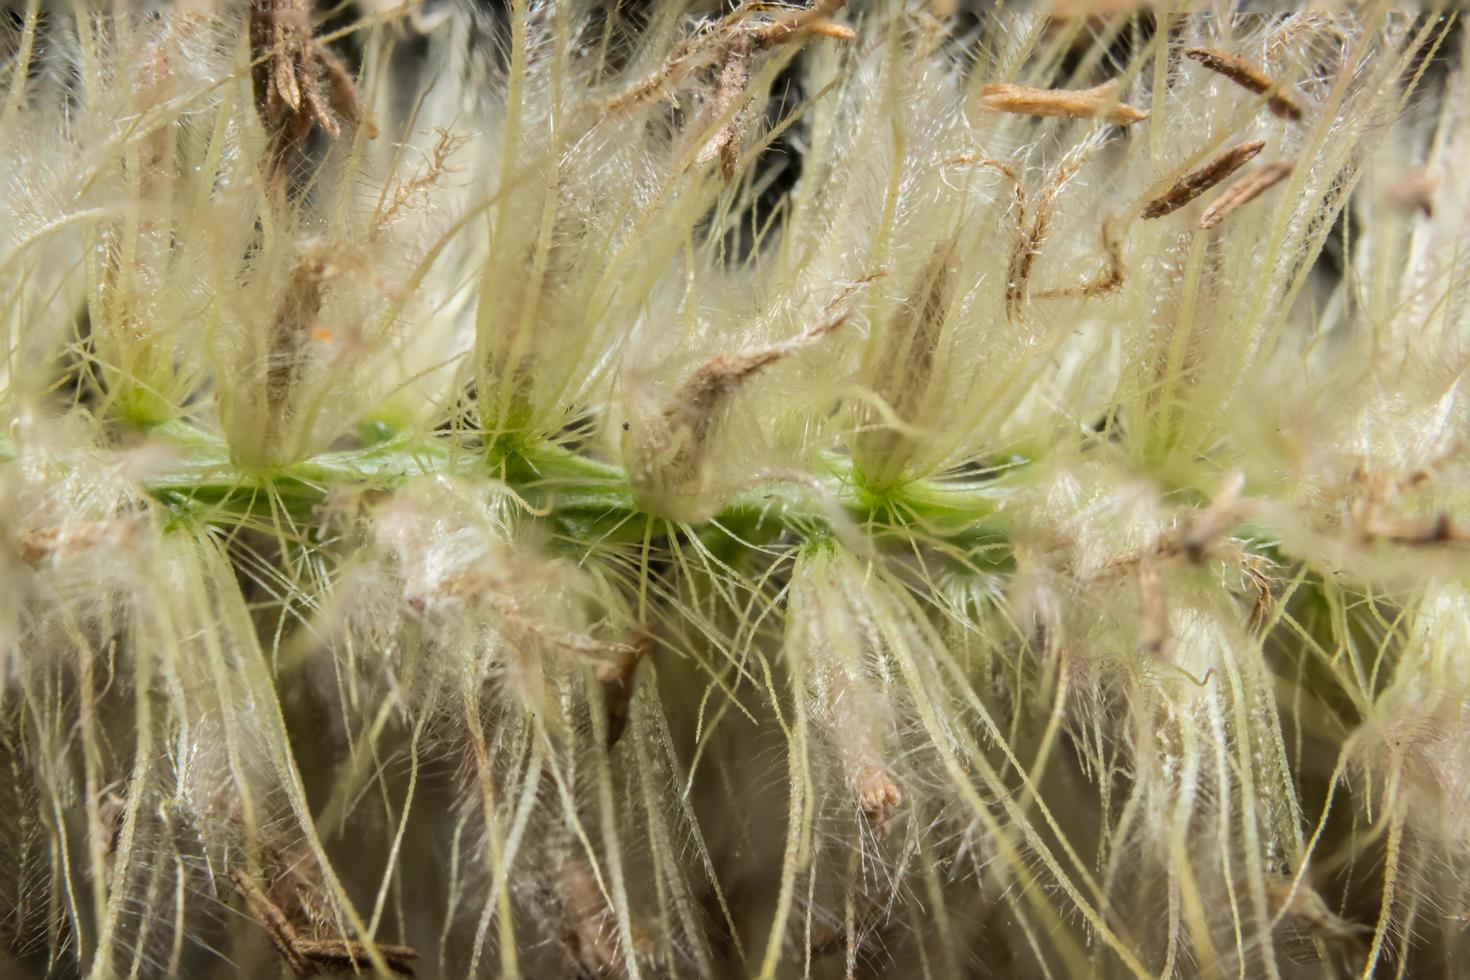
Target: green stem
585, 499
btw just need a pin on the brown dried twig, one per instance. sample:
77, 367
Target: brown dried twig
1206, 526
1243, 191
1437, 529
1299, 901
312, 957
1248, 76
589, 935
1201, 179
1076, 104
1255, 569
699, 397
1199, 537
1373, 519
484, 587
798, 25
729, 88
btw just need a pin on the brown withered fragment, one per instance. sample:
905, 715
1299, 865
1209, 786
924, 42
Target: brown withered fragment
38, 544
714, 46
616, 679
1305, 906
1112, 277
833, 30
1026, 245
689, 55
270, 918
735, 60
1243, 191
1439, 529
693, 409
589, 932
342, 92
413, 190
335, 955
312, 957
291, 327
1000, 167
798, 25
287, 65
1153, 611
1206, 526
1415, 189
878, 796
1201, 179
487, 587
1252, 566
728, 90
1075, 104
1248, 76
1105, 281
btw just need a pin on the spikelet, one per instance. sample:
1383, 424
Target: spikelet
903, 369
844, 683
668, 443
838, 489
